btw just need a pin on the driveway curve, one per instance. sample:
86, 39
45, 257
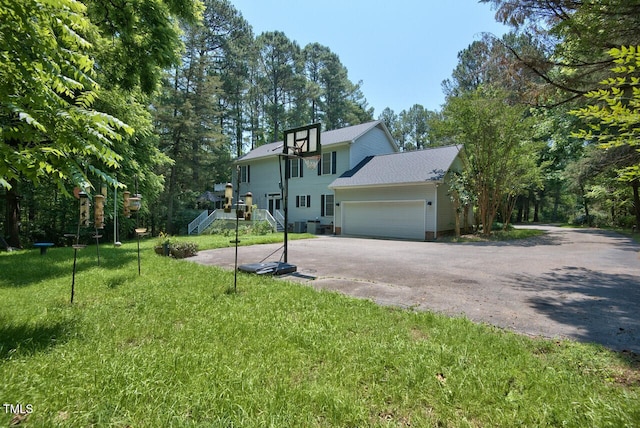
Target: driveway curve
582, 284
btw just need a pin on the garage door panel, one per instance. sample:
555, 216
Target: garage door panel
387, 219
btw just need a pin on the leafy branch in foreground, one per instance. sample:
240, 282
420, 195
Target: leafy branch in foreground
47, 125
613, 118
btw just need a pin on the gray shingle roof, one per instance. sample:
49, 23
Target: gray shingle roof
327, 138
400, 168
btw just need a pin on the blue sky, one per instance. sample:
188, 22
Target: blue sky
401, 50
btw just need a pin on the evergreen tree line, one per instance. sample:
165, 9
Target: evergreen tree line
234, 91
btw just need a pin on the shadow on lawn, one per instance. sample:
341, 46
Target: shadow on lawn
602, 306
29, 339
24, 268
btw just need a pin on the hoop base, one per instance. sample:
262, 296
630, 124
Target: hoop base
273, 268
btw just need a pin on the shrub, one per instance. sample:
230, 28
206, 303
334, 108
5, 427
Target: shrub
167, 246
262, 228
180, 250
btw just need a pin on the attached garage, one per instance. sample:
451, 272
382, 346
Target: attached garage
401, 195
384, 219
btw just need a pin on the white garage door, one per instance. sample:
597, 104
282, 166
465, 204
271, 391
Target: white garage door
386, 219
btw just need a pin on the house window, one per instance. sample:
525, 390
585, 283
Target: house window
295, 168
326, 205
245, 173
303, 201
327, 164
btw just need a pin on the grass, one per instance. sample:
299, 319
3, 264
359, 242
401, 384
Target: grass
207, 242
173, 347
496, 235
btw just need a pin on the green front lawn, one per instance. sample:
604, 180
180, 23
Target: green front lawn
207, 242
175, 347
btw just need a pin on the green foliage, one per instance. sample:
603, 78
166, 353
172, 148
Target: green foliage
138, 39
262, 228
500, 156
172, 348
180, 250
613, 117
576, 36
227, 228
47, 124
166, 245
295, 86
413, 129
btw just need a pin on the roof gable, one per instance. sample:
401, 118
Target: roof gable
327, 138
400, 168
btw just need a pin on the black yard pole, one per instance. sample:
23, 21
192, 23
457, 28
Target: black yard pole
73, 280
138, 254
236, 242
286, 207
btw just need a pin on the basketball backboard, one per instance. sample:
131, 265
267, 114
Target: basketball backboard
303, 141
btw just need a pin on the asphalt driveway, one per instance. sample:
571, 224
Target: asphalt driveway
582, 284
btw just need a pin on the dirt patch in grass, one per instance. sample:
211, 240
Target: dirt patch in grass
629, 373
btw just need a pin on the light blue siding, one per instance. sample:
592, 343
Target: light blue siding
265, 176
374, 142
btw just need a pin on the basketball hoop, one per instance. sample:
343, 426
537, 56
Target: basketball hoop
312, 161
303, 141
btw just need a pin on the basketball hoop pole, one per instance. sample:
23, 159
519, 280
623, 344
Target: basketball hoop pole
286, 208
299, 143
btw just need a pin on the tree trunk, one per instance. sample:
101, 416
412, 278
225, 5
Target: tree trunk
171, 195
556, 203
636, 201
465, 225
585, 204
12, 217
520, 214
456, 209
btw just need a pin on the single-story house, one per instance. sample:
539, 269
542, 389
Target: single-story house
361, 186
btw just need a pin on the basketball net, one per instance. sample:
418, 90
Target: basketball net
311, 161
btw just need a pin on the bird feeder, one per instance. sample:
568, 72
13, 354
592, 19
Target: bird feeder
228, 197
98, 211
135, 202
84, 209
248, 200
127, 196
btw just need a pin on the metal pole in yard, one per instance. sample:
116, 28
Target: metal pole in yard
236, 242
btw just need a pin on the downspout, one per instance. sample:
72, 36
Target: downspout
435, 216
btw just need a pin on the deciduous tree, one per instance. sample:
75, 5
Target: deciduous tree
47, 90
577, 35
495, 136
55, 113
613, 116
